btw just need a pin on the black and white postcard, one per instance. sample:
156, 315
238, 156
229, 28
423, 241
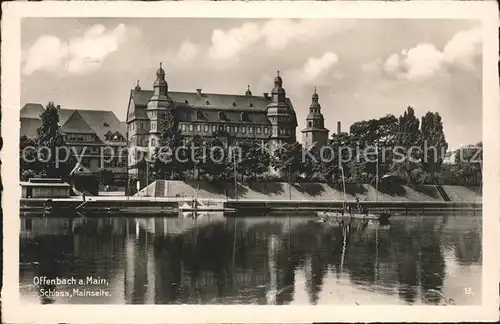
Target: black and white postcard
212, 162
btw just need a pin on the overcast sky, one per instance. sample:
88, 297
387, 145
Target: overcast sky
362, 68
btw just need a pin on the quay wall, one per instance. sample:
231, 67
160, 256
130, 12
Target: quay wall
403, 207
309, 191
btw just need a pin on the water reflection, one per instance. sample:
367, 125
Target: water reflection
217, 260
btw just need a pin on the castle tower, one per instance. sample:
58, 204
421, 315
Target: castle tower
157, 105
315, 131
281, 114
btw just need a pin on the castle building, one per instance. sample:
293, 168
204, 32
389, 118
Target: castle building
315, 131
268, 118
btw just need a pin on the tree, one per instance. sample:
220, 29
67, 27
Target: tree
218, 163
288, 159
54, 162
28, 164
197, 156
378, 136
434, 145
254, 159
406, 163
313, 166
167, 162
469, 163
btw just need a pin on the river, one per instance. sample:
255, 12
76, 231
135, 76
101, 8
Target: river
253, 260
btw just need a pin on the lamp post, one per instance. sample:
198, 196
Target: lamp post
235, 176
290, 182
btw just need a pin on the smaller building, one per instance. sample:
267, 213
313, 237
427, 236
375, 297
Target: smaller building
45, 188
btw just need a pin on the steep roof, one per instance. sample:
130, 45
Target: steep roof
64, 115
99, 121
29, 126
102, 121
76, 124
220, 101
31, 110
210, 103
85, 121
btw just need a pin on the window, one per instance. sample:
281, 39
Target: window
198, 128
310, 124
251, 104
191, 128
222, 116
183, 127
205, 128
207, 103
250, 130
153, 142
243, 129
234, 104
200, 115
228, 129
258, 130
214, 128
153, 126
266, 130
236, 129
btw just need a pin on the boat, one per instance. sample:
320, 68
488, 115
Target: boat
347, 213
200, 207
339, 215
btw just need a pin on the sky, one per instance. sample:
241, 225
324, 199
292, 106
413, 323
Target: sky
362, 69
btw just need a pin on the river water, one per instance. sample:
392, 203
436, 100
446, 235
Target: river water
252, 260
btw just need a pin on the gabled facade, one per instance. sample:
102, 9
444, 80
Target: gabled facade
91, 134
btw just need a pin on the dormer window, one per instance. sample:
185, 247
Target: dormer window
207, 103
234, 104
186, 102
222, 116
244, 117
200, 115
105, 124
250, 104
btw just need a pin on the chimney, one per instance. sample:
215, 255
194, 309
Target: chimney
339, 127
266, 95
198, 91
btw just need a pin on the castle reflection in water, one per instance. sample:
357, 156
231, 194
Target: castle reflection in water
279, 260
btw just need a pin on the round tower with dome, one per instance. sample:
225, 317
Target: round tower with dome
281, 115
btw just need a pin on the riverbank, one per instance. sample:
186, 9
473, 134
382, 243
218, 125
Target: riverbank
163, 198
151, 206
304, 191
